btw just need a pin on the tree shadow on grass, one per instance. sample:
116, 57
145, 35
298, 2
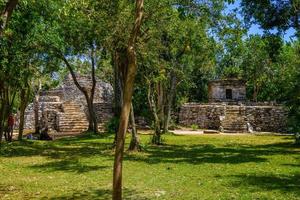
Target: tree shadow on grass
99, 194
55, 149
69, 165
64, 154
207, 153
284, 183
67, 151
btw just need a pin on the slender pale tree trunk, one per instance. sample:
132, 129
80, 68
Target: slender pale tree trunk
135, 141
127, 98
168, 108
160, 103
24, 95
92, 95
36, 107
156, 138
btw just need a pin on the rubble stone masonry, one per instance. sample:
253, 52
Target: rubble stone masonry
261, 116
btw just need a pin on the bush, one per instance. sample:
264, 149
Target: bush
112, 125
194, 127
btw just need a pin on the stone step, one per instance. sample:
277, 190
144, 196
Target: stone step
73, 124
72, 130
69, 120
80, 118
234, 123
73, 121
234, 127
74, 114
77, 106
71, 115
77, 118
71, 106
72, 109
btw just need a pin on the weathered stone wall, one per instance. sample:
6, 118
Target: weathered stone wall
267, 118
204, 115
270, 118
104, 112
103, 91
51, 108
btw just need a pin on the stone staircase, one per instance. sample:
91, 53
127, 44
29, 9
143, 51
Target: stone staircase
235, 119
72, 119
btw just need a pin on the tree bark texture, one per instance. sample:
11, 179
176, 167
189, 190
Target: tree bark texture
127, 98
168, 107
156, 138
36, 107
135, 141
24, 95
120, 65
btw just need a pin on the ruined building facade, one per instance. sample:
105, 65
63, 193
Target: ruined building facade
229, 111
66, 107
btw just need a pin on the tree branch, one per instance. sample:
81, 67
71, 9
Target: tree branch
6, 14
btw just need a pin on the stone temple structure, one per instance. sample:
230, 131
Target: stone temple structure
229, 111
66, 107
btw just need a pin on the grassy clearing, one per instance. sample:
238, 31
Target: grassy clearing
188, 167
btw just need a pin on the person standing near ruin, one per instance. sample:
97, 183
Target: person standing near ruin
10, 126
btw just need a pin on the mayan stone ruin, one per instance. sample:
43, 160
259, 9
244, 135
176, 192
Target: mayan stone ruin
66, 108
229, 111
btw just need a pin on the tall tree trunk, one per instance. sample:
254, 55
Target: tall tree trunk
120, 65
92, 117
156, 138
94, 83
135, 141
24, 101
36, 107
6, 14
127, 98
168, 108
160, 103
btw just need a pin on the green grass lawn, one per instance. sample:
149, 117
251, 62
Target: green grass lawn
188, 167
